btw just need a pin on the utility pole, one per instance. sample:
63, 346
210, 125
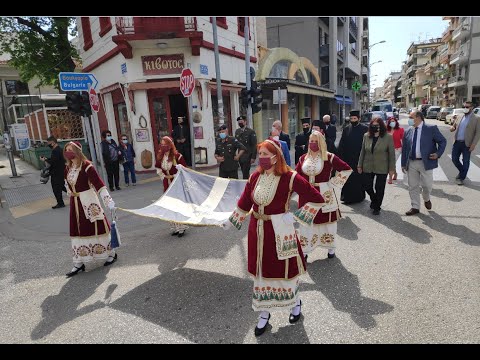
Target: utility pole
6, 136
346, 29
247, 70
217, 72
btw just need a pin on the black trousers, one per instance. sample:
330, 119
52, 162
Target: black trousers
184, 149
245, 166
58, 185
233, 174
377, 191
113, 174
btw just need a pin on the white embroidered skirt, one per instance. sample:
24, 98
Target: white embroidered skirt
85, 249
322, 235
270, 295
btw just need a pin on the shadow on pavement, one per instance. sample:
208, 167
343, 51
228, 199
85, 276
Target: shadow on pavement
347, 229
288, 334
438, 223
342, 289
440, 193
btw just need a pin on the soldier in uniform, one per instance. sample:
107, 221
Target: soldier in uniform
301, 140
226, 153
248, 138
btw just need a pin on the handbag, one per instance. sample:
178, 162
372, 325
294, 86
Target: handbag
45, 174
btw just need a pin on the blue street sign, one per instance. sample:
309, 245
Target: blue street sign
124, 68
71, 81
203, 69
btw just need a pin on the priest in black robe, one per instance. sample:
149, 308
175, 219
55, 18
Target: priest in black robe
301, 140
349, 151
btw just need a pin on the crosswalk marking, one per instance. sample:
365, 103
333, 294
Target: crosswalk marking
438, 173
473, 171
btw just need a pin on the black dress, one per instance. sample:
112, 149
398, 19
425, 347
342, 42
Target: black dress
349, 151
301, 145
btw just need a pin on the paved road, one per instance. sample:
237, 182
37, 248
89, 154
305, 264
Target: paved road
396, 279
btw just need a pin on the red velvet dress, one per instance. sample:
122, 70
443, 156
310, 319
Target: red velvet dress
90, 239
276, 281
167, 169
318, 173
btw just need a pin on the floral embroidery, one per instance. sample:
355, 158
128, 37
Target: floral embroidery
312, 166
93, 211
314, 239
166, 165
303, 241
266, 188
237, 218
72, 175
340, 178
268, 293
98, 249
307, 213
190, 185
326, 238
286, 247
84, 251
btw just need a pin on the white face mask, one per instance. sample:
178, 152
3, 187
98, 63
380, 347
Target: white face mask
275, 137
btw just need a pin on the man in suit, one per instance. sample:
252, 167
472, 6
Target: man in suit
181, 136
275, 134
277, 124
467, 134
301, 140
248, 138
330, 132
57, 168
422, 147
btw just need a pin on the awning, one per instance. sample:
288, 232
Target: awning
154, 85
308, 91
339, 100
231, 87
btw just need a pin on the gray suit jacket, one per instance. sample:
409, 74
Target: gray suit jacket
472, 132
383, 158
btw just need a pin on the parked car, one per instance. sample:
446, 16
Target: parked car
432, 112
476, 111
444, 111
423, 108
459, 112
366, 117
403, 111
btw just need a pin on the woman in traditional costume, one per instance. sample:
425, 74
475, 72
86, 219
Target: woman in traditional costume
167, 159
275, 257
89, 228
316, 166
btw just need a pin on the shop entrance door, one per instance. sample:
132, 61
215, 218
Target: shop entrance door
161, 119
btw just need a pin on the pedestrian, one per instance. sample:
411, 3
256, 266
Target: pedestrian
277, 124
422, 146
333, 119
89, 227
301, 140
57, 169
376, 161
168, 158
226, 153
111, 157
330, 132
397, 132
349, 151
467, 134
316, 166
275, 134
129, 160
275, 257
248, 138
181, 137
317, 126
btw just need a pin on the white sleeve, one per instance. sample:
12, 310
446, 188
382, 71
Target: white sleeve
106, 198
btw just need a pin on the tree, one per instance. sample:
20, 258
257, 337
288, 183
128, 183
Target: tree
39, 46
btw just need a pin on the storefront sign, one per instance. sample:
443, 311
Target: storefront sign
162, 64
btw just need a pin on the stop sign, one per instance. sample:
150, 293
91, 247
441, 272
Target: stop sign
94, 102
187, 82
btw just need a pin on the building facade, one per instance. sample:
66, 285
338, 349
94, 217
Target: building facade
137, 62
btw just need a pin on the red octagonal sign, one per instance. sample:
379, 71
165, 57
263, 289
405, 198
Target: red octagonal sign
187, 82
94, 102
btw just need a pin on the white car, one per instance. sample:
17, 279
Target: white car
459, 112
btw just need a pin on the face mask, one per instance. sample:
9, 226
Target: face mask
392, 124
242, 125
354, 123
265, 163
375, 128
109, 138
223, 135
306, 130
313, 146
467, 110
125, 141
410, 122
165, 148
275, 137
326, 122
50, 146
70, 155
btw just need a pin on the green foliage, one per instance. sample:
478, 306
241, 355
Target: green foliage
39, 46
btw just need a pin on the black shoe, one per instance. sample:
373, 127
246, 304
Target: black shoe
376, 212
118, 188
108, 263
75, 272
259, 331
371, 205
331, 256
175, 233
180, 234
112, 189
58, 206
306, 257
294, 318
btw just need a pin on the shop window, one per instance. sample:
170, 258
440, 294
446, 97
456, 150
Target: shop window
16, 87
123, 125
87, 33
221, 21
241, 27
280, 70
105, 25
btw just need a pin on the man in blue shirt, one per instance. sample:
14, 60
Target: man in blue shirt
467, 134
275, 134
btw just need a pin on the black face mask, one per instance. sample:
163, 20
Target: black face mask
306, 130
375, 128
50, 146
354, 123
242, 125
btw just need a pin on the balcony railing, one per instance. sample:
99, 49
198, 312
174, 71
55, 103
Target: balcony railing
324, 50
153, 25
447, 34
461, 32
353, 27
340, 49
456, 80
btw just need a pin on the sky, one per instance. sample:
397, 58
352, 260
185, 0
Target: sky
398, 33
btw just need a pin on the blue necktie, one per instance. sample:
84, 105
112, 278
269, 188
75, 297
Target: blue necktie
413, 155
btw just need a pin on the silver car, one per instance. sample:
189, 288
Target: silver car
432, 112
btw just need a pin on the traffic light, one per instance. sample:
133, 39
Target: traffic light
245, 97
74, 102
85, 108
256, 97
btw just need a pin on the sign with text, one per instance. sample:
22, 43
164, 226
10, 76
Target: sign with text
282, 96
71, 81
22, 139
187, 82
162, 64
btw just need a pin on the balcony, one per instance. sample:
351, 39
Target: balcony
460, 57
324, 51
444, 58
364, 70
340, 51
365, 33
456, 81
364, 88
353, 30
341, 19
447, 35
460, 33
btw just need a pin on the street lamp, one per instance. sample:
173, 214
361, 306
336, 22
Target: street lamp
380, 42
